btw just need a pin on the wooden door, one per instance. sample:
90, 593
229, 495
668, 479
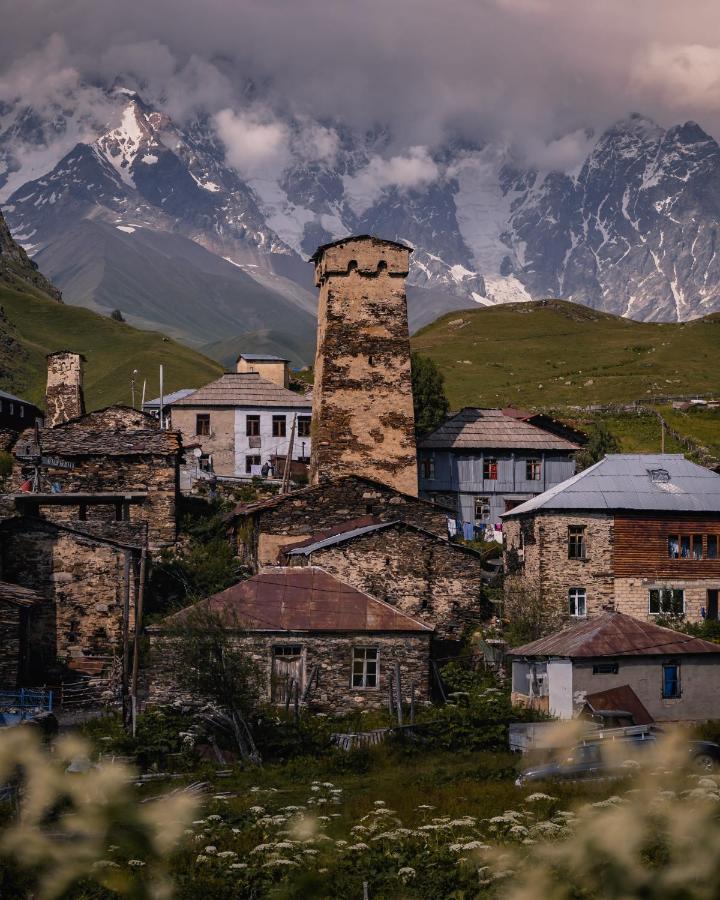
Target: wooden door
288, 668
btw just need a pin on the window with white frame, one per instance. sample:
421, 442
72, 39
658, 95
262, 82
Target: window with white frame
533, 470
365, 668
666, 600
577, 602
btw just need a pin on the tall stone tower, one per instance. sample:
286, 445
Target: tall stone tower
363, 420
64, 398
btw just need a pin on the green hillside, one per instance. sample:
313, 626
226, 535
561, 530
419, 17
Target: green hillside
34, 325
556, 354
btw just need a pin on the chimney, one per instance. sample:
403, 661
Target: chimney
64, 393
271, 368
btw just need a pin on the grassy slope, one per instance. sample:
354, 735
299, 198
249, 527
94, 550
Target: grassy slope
555, 354
112, 349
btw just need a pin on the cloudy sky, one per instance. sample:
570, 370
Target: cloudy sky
533, 73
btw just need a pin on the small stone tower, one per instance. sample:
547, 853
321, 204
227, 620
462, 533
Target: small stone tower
363, 420
64, 393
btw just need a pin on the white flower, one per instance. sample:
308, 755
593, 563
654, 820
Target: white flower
315, 787
137, 863
200, 822
202, 858
358, 846
379, 803
226, 854
261, 848
535, 798
210, 850
475, 845
455, 848
214, 818
285, 845
328, 784
256, 810
279, 862
341, 843
406, 873
425, 806
310, 852
239, 866
519, 830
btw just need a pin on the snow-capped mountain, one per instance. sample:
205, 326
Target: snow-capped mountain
150, 217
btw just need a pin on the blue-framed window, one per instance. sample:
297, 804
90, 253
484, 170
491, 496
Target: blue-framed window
671, 681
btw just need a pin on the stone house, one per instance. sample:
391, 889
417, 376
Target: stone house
259, 530
16, 608
304, 627
414, 570
85, 580
486, 461
362, 393
637, 533
244, 419
665, 675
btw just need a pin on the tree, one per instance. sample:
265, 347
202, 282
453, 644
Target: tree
117, 316
429, 401
601, 442
207, 659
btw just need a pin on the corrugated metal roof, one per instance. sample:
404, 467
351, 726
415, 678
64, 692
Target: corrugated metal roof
299, 599
615, 634
168, 398
306, 548
642, 481
244, 389
474, 429
5, 396
623, 698
261, 357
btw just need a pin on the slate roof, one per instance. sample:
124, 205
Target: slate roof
615, 634
356, 237
476, 429
16, 595
244, 509
633, 481
300, 599
244, 389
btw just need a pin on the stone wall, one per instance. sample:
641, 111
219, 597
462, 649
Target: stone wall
10, 645
632, 595
83, 580
363, 420
221, 441
64, 393
542, 562
433, 581
263, 529
331, 652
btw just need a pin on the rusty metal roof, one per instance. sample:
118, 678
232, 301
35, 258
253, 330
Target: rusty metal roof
475, 429
243, 389
299, 599
615, 634
618, 698
16, 595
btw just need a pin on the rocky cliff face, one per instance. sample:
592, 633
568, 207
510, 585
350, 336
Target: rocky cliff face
16, 266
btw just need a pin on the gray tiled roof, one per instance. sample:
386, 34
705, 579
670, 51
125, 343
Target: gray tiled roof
633, 481
474, 429
244, 389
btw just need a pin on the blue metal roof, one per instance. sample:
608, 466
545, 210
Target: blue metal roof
652, 482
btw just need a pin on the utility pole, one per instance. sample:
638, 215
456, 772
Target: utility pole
662, 435
162, 399
132, 386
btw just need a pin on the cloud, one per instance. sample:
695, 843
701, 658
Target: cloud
412, 170
254, 145
563, 154
687, 76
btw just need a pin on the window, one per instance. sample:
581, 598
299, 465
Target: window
304, 426
533, 470
685, 546
577, 602
667, 600
712, 546
365, 667
697, 548
673, 546
427, 465
22, 411
606, 669
251, 461
490, 469
202, 424
12, 408
576, 542
205, 463
252, 426
671, 681
279, 426
482, 509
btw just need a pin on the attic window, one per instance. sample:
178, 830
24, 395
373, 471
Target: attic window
659, 476
381, 266
352, 265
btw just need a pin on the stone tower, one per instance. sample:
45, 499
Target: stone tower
64, 393
363, 420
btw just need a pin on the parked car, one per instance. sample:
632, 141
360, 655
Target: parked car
589, 761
